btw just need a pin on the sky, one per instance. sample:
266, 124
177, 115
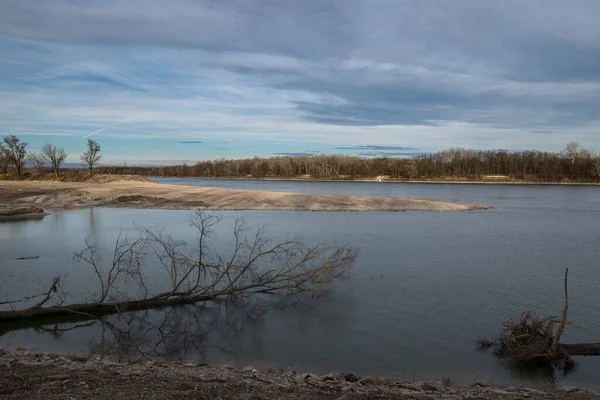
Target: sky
160, 82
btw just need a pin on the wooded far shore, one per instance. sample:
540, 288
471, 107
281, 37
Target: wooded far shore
573, 165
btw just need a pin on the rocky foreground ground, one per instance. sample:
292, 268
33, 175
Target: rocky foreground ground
31, 375
138, 192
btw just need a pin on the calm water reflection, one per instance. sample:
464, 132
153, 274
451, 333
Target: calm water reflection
426, 284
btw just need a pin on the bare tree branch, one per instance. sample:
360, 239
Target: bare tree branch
56, 156
53, 289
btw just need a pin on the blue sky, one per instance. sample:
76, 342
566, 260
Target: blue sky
158, 81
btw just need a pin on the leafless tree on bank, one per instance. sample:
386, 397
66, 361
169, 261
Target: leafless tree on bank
4, 163
256, 264
15, 151
38, 161
92, 155
56, 156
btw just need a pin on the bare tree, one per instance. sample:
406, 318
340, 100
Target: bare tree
92, 156
576, 153
572, 150
15, 151
56, 156
38, 161
194, 274
4, 163
596, 166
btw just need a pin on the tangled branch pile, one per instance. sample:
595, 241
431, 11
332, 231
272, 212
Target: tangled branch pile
532, 338
192, 274
528, 339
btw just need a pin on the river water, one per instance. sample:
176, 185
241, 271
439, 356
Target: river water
425, 286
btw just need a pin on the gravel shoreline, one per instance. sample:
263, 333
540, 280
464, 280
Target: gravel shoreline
33, 375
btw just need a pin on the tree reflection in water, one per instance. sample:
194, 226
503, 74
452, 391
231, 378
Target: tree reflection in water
188, 332
218, 331
543, 373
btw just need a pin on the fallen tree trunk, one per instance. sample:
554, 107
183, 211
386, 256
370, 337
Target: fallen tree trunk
94, 310
582, 349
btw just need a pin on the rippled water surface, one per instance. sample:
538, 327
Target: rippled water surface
425, 286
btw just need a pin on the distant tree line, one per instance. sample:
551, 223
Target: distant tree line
573, 164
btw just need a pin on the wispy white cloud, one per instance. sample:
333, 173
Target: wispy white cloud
101, 129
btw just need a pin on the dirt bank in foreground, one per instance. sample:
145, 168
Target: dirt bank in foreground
139, 194
28, 375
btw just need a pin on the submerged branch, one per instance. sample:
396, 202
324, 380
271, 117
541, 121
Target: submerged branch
256, 266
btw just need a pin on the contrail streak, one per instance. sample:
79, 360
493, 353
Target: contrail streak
102, 129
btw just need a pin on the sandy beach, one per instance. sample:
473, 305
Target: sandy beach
138, 192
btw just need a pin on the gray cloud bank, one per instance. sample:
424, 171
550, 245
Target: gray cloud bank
508, 64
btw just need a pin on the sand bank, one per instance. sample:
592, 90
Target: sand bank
138, 193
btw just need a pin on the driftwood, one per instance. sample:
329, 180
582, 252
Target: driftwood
533, 339
582, 349
85, 311
255, 265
